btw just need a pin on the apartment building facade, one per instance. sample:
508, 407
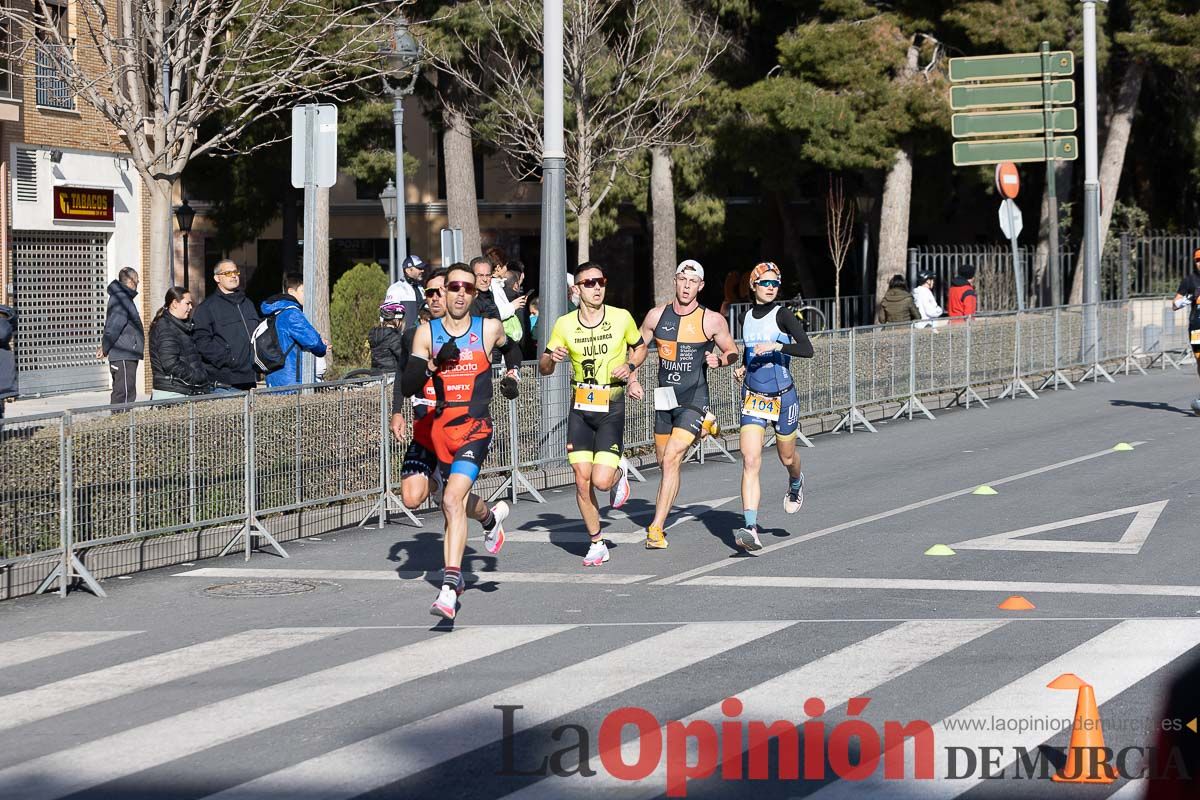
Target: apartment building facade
71, 216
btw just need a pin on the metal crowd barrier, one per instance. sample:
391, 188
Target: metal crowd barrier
80, 479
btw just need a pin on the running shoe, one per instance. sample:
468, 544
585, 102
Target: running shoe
493, 537
747, 538
655, 538
445, 604
794, 499
620, 490
597, 554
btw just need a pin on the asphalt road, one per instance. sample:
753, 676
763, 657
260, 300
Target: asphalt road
346, 687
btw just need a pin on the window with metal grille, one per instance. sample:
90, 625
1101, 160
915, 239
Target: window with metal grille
54, 55
60, 278
27, 175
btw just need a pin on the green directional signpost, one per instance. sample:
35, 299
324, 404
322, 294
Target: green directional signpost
1013, 106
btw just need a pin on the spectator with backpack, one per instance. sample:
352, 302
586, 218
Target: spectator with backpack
8, 362
284, 334
224, 323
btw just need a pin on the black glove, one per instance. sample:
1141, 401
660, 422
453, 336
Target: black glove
509, 388
447, 353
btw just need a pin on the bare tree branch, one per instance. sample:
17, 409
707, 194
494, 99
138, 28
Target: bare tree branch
839, 234
632, 70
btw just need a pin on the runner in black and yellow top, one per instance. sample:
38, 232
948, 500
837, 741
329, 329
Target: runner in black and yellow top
685, 333
605, 348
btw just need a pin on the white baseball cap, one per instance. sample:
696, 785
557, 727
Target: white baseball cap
690, 265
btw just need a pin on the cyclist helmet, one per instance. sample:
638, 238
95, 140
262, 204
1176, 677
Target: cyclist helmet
390, 311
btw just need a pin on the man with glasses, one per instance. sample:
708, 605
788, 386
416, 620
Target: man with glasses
685, 333
455, 351
1188, 294
605, 348
224, 324
771, 335
418, 476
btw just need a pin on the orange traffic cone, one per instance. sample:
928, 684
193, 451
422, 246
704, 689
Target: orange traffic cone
1086, 760
1016, 603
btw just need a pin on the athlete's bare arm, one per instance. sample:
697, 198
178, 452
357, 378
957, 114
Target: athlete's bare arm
651, 322
493, 335
723, 339
548, 361
422, 341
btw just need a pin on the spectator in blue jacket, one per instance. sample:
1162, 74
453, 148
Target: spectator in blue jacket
8, 363
295, 332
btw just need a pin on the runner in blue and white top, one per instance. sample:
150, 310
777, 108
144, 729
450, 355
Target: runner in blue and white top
772, 336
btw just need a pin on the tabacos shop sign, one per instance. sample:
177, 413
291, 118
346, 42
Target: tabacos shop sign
90, 205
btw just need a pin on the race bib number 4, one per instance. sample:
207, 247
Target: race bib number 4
761, 406
591, 397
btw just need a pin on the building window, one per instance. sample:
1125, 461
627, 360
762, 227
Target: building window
53, 53
5, 59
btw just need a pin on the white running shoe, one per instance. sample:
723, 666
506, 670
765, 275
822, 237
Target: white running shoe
794, 500
620, 490
748, 538
597, 554
445, 605
493, 538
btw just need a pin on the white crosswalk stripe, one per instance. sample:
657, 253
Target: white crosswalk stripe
411, 578
846, 673
21, 708
185, 734
1111, 662
53, 643
394, 755
339, 765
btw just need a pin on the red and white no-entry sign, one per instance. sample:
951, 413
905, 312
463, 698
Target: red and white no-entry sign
1008, 180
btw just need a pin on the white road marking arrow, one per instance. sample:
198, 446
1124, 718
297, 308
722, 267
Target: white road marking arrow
1130, 542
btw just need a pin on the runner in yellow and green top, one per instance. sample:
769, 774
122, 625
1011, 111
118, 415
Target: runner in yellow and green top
605, 348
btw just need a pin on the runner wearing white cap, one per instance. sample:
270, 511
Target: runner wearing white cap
685, 333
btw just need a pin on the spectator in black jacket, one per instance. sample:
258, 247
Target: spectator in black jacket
174, 359
225, 321
8, 362
484, 304
124, 339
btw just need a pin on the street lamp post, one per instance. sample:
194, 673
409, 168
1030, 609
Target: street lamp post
185, 215
403, 54
388, 199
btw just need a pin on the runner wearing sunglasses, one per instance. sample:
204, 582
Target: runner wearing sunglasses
771, 335
605, 349
453, 353
685, 333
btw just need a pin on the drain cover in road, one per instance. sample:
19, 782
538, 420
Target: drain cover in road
260, 588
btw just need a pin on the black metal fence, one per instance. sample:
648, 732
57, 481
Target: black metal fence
1132, 265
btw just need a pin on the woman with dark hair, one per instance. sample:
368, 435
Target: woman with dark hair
898, 305
174, 359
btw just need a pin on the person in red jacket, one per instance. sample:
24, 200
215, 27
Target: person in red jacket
962, 299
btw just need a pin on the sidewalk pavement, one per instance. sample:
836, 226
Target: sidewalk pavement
59, 402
